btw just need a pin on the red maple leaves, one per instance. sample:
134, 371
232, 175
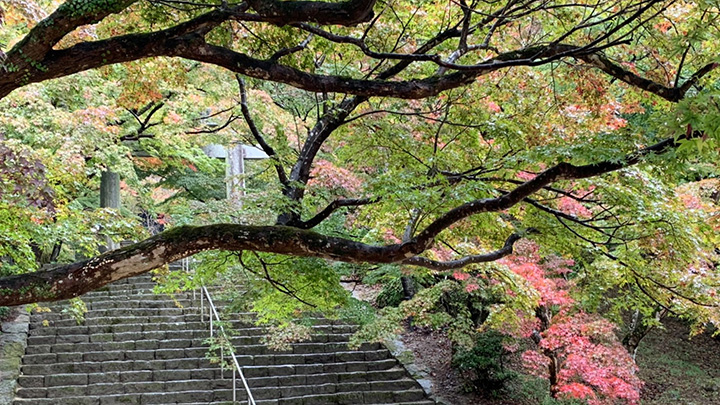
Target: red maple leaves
578, 352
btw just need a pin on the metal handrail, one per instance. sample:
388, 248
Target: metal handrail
204, 293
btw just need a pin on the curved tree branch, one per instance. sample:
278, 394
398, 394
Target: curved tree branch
282, 177
332, 207
351, 12
561, 171
507, 249
78, 278
672, 94
187, 40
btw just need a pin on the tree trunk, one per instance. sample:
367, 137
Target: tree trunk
638, 330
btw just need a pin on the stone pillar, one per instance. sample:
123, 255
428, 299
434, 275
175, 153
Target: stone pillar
235, 174
110, 198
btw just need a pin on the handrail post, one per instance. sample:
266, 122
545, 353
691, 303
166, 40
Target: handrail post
212, 313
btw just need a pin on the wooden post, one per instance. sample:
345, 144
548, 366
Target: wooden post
110, 198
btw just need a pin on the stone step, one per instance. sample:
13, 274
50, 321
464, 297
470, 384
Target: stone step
131, 286
393, 374
351, 398
123, 336
128, 345
120, 315
188, 316
273, 366
40, 381
103, 297
196, 384
159, 310
142, 292
200, 335
320, 368
297, 348
119, 328
128, 304
116, 355
170, 326
59, 359
177, 397
208, 396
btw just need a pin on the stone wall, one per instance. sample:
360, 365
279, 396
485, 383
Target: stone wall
13, 341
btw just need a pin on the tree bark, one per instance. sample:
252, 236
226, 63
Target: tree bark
78, 278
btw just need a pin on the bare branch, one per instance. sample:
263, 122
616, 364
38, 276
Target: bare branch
347, 13
257, 135
289, 51
279, 286
332, 207
507, 249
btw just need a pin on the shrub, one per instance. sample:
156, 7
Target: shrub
4, 314
483, 366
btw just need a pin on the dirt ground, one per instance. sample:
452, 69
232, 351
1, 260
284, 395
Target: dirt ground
677, 369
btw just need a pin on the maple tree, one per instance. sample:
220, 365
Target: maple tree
422, 138
578, 353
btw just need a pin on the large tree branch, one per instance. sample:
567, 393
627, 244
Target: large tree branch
67, 17
405, 89
672, 94
48, 63
187, 40
351, 12
282, 177
78, 278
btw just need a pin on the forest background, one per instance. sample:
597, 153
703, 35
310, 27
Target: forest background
542, 171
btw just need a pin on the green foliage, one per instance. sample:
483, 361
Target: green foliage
77, 8
76, 309
292, 286
484, 365
391, 295
4, 313
280, 338
220, 347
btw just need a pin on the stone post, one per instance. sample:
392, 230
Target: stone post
235, 174
110, 198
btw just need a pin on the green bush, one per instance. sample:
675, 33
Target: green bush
483, 366
4, 313
391, 295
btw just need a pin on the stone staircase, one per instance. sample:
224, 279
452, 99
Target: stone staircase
139, 348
